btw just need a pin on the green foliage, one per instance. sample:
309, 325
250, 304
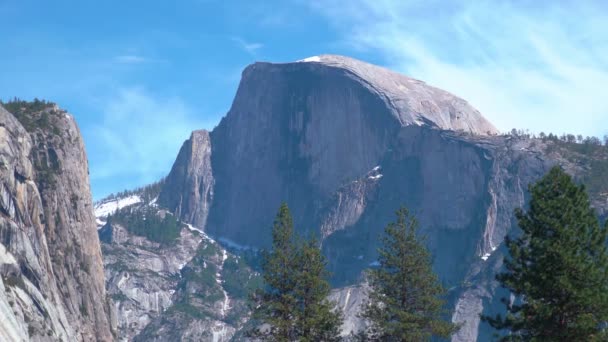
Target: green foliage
238, 278
558, 267
277, 301
405, 301
205, 276
31, 114
147, 223
315, 318
188, 309
591, 155
293, 300
147, 192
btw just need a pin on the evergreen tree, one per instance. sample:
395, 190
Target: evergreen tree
293, 305
277, 303
316, 320
405, 298
558, 267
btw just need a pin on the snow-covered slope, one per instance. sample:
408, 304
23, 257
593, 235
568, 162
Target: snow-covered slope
107, 207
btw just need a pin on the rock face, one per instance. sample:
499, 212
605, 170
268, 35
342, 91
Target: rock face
52, 277
142, 275
187, 289
345, 143
189, 186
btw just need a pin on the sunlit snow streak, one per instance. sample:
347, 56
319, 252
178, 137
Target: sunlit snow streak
106, 208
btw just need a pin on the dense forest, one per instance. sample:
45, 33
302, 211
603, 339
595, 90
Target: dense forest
160, 227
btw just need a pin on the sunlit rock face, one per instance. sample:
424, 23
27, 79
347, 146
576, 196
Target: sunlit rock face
52, 284
345, 143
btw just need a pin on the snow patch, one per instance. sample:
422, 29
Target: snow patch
375, 177
99, 223
311, 59
219, 332
153, 203
194, 229
226, 303
106, 208
486, 256
347, 298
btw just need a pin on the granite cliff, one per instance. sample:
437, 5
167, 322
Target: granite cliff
52, 285
344, 143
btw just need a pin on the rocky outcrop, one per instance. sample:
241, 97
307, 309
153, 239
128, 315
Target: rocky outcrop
349, 300
345, 143
188, 189
52, 276
185, 289
210, 302
142, 275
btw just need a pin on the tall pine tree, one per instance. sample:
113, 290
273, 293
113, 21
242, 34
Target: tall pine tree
316, 318
293, 305
558, 267
405, 301
276, 302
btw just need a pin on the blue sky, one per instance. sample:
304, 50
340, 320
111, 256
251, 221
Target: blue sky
140, 75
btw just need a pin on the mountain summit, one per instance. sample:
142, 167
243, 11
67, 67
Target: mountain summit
345, 143
413, 102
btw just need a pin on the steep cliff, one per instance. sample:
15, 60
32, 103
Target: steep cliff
345, 143
52, 274
189, 187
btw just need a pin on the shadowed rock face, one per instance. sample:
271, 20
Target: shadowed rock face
345, 143
52, 275
189, 187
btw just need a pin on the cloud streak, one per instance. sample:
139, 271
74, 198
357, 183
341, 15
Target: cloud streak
137, 137
543, 67
130, 59
249, 47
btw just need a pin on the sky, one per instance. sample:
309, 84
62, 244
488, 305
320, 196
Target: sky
139, 76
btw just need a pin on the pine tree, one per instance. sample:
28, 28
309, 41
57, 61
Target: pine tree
558, 267
277, 303
293, 305
405, 298
316, 320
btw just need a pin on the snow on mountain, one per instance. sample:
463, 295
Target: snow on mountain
311, 59
107, 207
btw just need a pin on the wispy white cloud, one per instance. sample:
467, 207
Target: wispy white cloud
130, 59
542, 66
138, 136
249, 47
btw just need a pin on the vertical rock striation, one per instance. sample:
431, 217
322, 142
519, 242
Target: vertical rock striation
188, 189
52, 275
345, 143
